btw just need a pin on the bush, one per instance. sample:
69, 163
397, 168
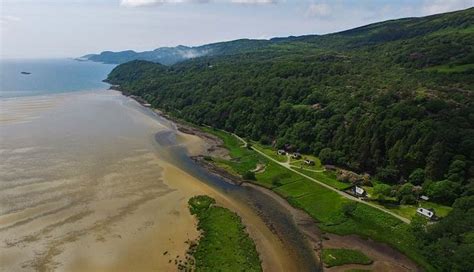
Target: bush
383, 190
276, 182
341, 256
406, 194
249, 175
349, 208
200, 203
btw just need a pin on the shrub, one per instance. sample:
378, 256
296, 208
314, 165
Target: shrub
341, 256
383, 190
249, 175
349, 208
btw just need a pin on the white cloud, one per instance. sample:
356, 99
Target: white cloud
254, 1
319, 10
9, 18
6, 21
440, 6
145, 3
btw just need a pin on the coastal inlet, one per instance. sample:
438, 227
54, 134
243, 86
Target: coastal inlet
86, 186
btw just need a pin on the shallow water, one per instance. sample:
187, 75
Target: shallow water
72, 167
50, 76
92, 181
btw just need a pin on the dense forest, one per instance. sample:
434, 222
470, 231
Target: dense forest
393, 99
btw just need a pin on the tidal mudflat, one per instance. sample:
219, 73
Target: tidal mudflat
86, 187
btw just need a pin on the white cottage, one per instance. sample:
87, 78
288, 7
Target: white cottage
358, 191
429, 213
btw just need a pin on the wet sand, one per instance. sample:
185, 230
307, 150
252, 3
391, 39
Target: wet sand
85, 187
384, 257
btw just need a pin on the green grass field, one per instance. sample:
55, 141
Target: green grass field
449, 69
243, 159
224, 244
340, 256
270, 152
301, 164
323, 204
409, 211
275, 175
327, 177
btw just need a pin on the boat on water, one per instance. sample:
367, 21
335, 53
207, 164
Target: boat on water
25, 73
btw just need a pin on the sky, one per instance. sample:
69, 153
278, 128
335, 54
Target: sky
72, 28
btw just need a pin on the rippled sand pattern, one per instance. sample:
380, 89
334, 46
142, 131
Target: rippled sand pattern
84, 186
81, 187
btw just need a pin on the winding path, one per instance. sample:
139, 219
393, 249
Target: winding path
288, 166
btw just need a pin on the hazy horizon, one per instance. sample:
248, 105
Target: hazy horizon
76, 28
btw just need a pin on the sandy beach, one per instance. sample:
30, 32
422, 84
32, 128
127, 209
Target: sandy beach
85, 187
384, 257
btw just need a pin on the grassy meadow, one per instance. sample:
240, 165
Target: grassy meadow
322, 204
224, 244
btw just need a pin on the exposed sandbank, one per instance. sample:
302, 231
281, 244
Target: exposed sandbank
93, 191
385, 258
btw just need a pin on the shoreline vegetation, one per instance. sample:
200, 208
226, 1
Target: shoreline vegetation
404, 135
340, 256
226, 157
224, 244
326, 207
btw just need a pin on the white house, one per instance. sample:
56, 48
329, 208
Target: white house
426, 212
359, 191
425, 198
309, 162
296, 156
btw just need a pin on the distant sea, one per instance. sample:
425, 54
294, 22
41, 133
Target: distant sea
49, 76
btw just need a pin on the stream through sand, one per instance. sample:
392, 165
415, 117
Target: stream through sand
84, 186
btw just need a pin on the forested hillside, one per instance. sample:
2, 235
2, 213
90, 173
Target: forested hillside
393, 99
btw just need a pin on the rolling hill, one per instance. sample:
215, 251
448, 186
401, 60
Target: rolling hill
393, 99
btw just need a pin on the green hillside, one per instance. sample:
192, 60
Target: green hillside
172, 55
394, 99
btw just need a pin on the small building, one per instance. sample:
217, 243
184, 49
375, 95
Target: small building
296, 156
425, 198
429, 213
309, 162
281, 152
359, 191
316, 106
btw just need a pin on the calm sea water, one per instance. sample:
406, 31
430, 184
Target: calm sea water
50, 76
82, 183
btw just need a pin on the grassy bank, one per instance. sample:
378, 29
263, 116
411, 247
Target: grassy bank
224, 244
324, 205
409, 211
342, 256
